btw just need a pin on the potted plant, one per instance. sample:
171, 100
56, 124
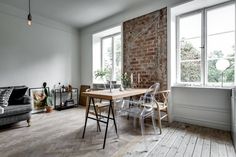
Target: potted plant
102, 74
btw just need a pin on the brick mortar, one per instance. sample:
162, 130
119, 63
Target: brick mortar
145, 48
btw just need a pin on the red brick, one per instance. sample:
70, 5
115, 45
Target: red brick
145, 45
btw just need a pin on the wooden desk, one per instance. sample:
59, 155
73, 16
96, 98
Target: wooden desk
106, 94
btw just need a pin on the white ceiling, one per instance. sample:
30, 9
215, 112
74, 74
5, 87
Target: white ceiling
77, 13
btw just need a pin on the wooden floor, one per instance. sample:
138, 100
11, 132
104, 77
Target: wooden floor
58, 134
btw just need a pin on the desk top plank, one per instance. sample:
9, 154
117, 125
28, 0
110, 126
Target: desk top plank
115, 94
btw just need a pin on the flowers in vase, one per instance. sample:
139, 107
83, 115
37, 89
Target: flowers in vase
125, 79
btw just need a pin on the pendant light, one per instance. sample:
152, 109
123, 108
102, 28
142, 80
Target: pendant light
29, 16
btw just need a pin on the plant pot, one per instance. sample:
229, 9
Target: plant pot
48, 109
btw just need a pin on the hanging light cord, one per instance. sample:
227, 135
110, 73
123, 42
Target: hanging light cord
29, 7
29, 16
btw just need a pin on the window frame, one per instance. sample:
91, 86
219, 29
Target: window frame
178, 71
112, 36
204, 59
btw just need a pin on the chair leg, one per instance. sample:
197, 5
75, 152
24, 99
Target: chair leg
167, 113
154, 123
142, 125
159, 120
134, 122
145, 142
29, 122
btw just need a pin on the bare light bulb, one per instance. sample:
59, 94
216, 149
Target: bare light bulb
29, 19
29, 23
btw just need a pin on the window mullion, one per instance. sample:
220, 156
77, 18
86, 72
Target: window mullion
101, 53
113, 59
178, 69
235, 49
204, 48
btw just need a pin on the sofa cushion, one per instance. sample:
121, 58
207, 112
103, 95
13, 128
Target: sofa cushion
4, 96
16, 109
14, 119
17, 94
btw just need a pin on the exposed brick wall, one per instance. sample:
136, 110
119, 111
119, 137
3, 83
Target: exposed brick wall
145, 48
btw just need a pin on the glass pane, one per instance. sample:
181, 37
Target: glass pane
215, 75
190, 26
190, 52
189, 49
221, 19
117, 56
107, 53
191, 71
221, 45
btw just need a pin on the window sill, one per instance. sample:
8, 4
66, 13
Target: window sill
202, 87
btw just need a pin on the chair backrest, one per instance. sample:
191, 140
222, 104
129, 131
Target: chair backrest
149, 97
151, 92
163, 97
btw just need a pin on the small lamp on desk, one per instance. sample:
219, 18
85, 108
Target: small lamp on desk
222, 65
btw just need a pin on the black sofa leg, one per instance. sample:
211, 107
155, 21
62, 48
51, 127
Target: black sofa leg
28, 121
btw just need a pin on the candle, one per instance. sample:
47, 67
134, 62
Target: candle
138, 78
131, 79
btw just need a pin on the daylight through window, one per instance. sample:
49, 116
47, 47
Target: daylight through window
107, 54
204, 38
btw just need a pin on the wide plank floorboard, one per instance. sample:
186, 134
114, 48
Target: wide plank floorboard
59, 134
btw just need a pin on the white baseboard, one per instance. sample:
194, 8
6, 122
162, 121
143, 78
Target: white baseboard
203, 122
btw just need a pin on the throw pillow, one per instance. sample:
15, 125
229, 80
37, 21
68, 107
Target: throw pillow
21, 101
17, 93
4, 96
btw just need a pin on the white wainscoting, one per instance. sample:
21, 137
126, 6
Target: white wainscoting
210, 107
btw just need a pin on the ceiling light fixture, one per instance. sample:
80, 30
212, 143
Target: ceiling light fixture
29, 16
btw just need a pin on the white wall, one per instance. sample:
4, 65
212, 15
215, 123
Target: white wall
86, 33
210, 107
46, 51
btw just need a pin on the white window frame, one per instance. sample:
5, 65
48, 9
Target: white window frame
203, 46
113, 53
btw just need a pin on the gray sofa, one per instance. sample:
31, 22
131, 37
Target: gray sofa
19, 107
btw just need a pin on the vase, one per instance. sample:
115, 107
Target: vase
48, 109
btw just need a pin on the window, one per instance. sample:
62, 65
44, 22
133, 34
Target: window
111, 55
205, 38
107, 54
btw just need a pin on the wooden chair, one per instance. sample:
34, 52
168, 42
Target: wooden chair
162, 106
83, 98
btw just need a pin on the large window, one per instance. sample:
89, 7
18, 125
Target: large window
111, 55
107, 54
206, 40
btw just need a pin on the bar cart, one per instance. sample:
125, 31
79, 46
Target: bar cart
65, 99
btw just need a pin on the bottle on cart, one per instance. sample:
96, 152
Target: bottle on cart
58, 87
63, 88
